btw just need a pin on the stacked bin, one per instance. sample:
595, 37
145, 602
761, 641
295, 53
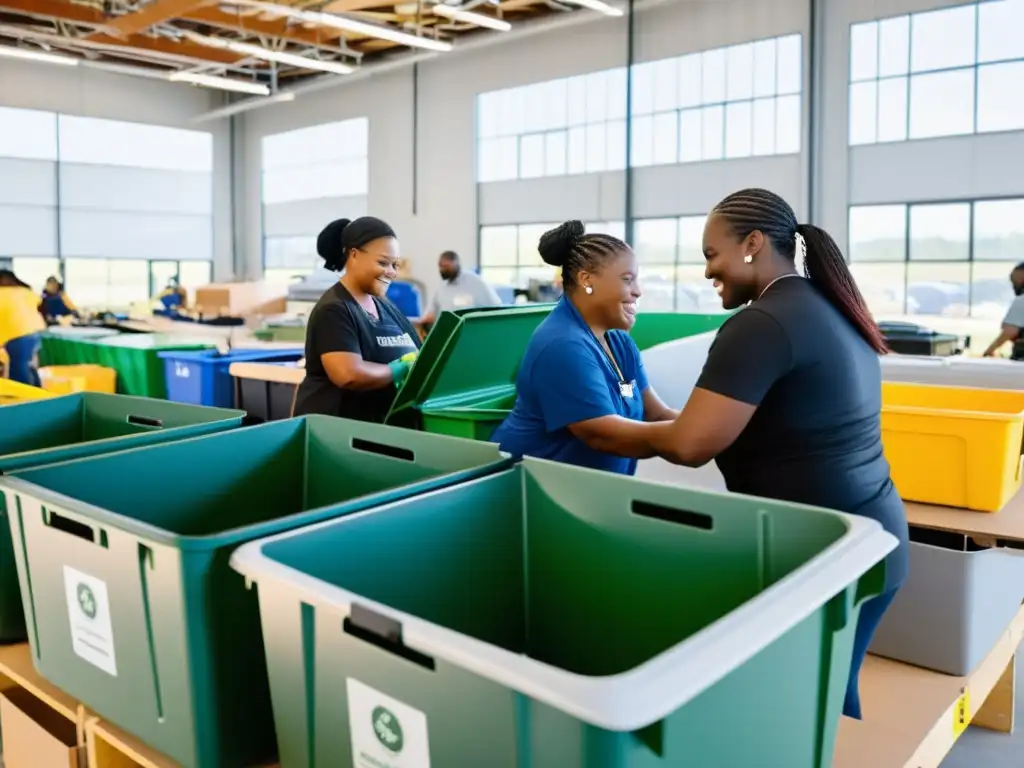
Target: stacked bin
136, 359
958, 447
464, 381
554, 616
62, 428
971, 437
174, 654
203, 378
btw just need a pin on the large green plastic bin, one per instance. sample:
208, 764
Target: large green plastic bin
464, 381
62, 428
653, 328
136, 358
559, 617
70, 346
131, 605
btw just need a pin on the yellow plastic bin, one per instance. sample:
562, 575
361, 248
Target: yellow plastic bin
954, 446
13, 392
70, 379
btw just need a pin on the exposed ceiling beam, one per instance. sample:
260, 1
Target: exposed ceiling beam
150, 14
182, 48
279, 29
347, 6
56, 9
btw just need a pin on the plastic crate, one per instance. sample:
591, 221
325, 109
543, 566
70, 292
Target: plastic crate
464, 381
955, 371
911, 339
12, 392
266, 397
202, 378
137, 361
175, 655
62, 428
556, 616
954, 446
69, 379
957, 601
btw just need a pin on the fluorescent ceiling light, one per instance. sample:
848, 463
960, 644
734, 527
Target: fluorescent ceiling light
346, 24
597, 5
281, 57
223, 83
469, 17
41, 56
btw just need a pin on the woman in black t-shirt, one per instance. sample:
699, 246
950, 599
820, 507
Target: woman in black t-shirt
359, 346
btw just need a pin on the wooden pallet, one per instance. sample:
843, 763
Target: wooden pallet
105, 746
914, 716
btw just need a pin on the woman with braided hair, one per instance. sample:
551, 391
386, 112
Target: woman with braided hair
581, 375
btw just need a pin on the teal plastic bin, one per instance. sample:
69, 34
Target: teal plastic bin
559, 617
652, 328
58, 429
131, 605
464, 381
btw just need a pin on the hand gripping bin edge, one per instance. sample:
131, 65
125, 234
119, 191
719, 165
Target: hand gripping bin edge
564, 618
179, 661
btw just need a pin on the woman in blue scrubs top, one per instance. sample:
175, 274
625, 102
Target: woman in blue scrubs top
582, 376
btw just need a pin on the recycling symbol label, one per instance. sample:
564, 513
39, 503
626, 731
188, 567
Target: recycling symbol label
87, 601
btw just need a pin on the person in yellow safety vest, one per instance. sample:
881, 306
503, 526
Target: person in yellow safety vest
20, 328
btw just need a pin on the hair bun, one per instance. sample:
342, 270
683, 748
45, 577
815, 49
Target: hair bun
329, 246
556, 244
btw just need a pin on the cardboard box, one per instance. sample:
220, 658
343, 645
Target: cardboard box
240, 299
36, 736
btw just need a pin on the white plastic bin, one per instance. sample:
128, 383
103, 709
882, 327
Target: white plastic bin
984, 373
673, 369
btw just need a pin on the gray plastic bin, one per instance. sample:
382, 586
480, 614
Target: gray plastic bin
957, 601
954, 371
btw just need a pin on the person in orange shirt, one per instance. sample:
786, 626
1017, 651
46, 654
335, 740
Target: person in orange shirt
21, 326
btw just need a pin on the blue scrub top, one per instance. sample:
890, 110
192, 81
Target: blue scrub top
566, 378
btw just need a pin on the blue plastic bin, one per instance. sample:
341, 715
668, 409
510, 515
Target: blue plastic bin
202, 378
406, 297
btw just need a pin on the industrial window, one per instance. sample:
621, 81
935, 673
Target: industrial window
701, 106
328, 160
949, 259
948, 72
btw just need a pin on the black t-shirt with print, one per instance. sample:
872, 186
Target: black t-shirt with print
339, 324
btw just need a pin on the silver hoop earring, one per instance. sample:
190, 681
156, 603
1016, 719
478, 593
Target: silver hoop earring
588, 290
748, 259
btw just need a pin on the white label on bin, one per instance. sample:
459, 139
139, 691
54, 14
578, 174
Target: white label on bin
385, 733
92, 634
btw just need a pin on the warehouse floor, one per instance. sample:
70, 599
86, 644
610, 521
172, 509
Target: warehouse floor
993, 750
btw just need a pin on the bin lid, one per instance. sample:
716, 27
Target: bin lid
156, 341
470, 351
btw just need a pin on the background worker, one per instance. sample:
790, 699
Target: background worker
54, 303
581, 368
20, 328
1013, 322
359, 346
459, 289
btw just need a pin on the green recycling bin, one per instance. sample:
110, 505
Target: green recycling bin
652, 328
62, 428
551, 616
136, 358
70, 345
464, 381
131, 604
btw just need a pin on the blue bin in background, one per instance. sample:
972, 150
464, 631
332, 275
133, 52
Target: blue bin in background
406, 297
202, 378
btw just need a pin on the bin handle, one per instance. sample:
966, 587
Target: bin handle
384, 633
144, 421
59, 522
382, 449
686, 517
